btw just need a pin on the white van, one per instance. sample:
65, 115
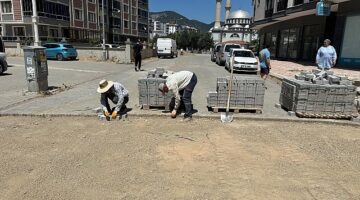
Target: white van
166, 47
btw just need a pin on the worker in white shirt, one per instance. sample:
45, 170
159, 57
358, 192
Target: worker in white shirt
181, 84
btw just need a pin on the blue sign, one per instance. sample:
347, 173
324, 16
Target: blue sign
323, 8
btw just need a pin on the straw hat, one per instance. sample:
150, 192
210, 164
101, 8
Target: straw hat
104, 86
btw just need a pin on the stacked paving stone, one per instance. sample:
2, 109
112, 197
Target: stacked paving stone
247, 93
149, 94
318, 94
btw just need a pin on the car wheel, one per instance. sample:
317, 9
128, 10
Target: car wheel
59, 57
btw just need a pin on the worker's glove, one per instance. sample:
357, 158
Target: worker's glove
107, 114
173, 114
114, 114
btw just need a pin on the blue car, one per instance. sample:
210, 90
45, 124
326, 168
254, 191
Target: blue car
60, 51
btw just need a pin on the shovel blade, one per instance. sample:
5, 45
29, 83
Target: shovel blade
226, 117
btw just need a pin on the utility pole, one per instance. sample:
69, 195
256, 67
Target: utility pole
103, 27
35, 21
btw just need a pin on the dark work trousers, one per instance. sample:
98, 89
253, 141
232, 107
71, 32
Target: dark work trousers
186, 97
123, 108
138, 61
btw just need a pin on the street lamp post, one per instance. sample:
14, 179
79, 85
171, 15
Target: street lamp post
35, 23
103, 27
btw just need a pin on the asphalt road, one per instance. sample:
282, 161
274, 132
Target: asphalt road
83, 77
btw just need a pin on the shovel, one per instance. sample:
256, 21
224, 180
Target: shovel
228, 117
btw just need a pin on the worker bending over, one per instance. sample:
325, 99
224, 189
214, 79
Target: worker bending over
117, 93
181, 84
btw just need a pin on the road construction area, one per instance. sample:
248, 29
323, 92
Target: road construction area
77, 82
161, 158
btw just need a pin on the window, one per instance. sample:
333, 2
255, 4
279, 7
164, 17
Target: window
19, 31
116, 6
288, 43
116, 22
126, 9
91, 17
6, 7
126, 24
133, 10
134, 26
53, 32
78, 14
91, 1
247, 54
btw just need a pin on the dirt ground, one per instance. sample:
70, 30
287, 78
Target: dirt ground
144, 158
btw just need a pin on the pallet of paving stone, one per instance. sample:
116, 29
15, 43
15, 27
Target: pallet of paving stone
326, 116
236, 109
150, 107
308, 99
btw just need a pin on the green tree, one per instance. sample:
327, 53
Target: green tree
205, 42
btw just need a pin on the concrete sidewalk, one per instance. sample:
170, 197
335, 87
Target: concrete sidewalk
289, 69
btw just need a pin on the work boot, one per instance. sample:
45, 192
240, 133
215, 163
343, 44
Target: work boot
187, 119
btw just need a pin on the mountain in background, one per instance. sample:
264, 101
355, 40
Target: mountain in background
174, 17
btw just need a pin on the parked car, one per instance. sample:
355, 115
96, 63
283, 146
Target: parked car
111, 46
166, 47
223, 53
242, 60
60, 51
214, 51
3, 63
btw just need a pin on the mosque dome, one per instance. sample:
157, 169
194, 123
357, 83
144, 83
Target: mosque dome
239, 14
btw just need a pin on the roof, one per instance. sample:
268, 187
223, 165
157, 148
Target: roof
239, 14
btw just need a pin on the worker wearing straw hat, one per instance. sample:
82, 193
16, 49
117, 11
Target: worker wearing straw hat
117, 93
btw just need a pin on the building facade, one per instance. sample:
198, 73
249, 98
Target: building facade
236, 27
294, 32
76, 20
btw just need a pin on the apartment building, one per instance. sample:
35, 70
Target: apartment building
76, 20
294, 31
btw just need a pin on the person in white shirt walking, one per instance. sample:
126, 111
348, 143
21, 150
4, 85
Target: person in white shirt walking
182, 85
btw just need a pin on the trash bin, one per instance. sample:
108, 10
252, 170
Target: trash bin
36, 68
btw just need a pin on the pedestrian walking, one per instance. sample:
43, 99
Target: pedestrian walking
326, 56
117, 93
182, 85
265, 65
137, 55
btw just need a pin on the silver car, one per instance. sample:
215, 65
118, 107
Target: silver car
224, 52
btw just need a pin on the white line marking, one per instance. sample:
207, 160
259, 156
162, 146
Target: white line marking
77, 70
65, 69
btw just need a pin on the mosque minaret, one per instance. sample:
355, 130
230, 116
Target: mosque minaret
217, 24
227, 9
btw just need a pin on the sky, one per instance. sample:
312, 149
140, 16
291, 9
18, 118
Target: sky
202, 10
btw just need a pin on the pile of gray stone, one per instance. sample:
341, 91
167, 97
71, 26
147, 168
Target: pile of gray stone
149, 94
247, 92
318, 94
321, 77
